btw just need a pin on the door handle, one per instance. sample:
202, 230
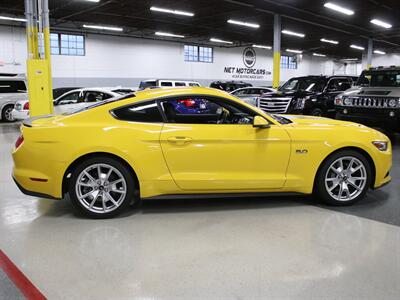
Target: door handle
179, 140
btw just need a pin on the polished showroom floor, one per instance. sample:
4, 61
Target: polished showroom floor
257, 248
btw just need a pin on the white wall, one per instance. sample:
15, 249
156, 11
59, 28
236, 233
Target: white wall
111, 60
383, 60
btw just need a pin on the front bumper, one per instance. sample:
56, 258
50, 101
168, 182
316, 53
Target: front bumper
20, 114
383, 118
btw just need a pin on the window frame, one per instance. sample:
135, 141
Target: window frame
287, 64
59, 44
197, 47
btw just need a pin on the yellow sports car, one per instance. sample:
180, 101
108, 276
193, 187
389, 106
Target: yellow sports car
185, 141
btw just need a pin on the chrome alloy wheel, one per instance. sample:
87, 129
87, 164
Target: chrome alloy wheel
346, 178
101, 188
8, 114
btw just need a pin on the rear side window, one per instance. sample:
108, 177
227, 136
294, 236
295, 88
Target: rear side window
193, 84
12, 86
142, 112
166, 83
180, 84
146, 84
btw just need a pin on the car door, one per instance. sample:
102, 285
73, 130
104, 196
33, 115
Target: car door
212, 145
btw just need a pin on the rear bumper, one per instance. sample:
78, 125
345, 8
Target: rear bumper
32, 193
20, 114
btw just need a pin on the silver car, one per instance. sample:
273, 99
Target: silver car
251, 94
12, 89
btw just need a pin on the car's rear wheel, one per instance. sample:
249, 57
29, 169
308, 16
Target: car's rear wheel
101, 187
6, 113
343, 178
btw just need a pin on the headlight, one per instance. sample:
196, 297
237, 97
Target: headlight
380, 145
300, 103
339, 100
393, 102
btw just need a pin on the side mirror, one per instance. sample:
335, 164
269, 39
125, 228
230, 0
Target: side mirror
260, 122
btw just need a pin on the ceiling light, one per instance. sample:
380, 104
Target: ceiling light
381, 23
169, 34
252, 25
339, 8
319, 55
12, 19
329, 41
357, 47
379, 52
103, 27
262, 46
220, 41
288, 32
350, 59
294, 51
172, 11
93, 0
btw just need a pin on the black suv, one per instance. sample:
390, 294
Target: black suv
309, 95
229, 86
374, 101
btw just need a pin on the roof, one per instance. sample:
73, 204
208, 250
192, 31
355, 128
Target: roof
175, 91
210, 20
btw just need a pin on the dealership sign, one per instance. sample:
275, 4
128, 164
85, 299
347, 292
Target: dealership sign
247, 72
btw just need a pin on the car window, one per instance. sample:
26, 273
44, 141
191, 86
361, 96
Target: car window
180, 84
240, 92
69, 98
193, 84
166, 83
205, 110
146, 84
12, 86
142, 112
338, 84
94, 96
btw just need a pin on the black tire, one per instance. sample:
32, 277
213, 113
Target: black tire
317, 112
6, 113
320, 189
125, 201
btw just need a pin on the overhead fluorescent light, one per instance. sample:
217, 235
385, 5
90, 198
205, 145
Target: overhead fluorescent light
12, 19
379, 52
381, 23
172, 11
93, 0
220, 41
294, 51
103, 27
339, 8
169, 34
350, 59
357, 47
329, 41
288, 32
319, 55
252, 25
262, 46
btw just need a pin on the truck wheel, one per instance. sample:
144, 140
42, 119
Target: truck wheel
343, 178
6, 114
317, 112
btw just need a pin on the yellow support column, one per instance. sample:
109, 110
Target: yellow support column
277, 52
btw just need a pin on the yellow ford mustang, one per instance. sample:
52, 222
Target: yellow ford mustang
193, 141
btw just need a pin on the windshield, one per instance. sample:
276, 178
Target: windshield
309, 84
380, 78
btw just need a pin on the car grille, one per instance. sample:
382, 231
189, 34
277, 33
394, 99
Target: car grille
374, 102
275, 105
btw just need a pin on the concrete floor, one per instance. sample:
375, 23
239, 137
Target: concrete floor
257, 248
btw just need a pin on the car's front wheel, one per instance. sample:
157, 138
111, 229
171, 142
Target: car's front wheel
343, 178
101, 187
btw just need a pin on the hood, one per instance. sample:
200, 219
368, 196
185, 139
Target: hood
291, 94
300, 120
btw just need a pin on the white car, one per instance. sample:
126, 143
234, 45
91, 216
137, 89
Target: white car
12, 90
251, 94
151, 83
73, 100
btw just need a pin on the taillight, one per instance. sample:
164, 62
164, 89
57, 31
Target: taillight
26, 106
19, 141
